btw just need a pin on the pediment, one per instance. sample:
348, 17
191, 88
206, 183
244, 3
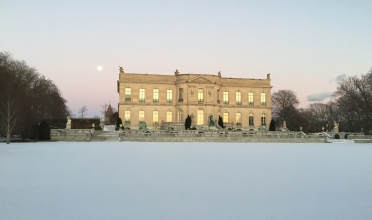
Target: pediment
200, 79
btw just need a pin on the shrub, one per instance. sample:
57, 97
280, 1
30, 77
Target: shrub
337, 136
44, 131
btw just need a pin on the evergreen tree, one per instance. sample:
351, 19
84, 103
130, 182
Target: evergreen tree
119, 122
44, 131
272, 125
220, 122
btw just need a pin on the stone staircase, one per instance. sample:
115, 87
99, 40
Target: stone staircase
107, 134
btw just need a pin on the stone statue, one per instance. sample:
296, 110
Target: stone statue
68, 124
268, 76
121, 69
219, 73
336, 125
211, 121
176, 72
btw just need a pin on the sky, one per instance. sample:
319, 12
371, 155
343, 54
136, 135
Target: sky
306, 46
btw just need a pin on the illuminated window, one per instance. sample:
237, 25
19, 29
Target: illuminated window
169, 116
169, 96
128, 94
226, 98
238, 98
200, 118
141, 95
263, 98
238, 118
225, 117
141, 115
200, 95
155, 96
155, 117
127, 117
250, 99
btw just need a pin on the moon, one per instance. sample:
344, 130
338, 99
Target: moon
99, 68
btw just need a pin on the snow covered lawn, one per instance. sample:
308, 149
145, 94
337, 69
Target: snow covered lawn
130, 180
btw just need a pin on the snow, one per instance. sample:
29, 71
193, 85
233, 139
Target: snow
133, 180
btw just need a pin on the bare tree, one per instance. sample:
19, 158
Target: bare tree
9, 118
83, 110
284, 104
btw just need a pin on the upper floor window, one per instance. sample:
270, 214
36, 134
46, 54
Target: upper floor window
169, 96
200, 95
238, 98
128, 94
218, 96
263, 98
225, 97
250, 99
180, 95
155, 96
141, 95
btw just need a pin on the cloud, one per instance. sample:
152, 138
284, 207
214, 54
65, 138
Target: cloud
339, 78
319, 96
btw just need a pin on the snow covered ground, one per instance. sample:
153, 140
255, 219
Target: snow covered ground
127, 180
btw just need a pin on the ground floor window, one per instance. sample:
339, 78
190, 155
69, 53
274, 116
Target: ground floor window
180, 116
155, 117
251, 122
169, 116
263, 120
200, 118
141, 116
225, 117
238, 119
127, 117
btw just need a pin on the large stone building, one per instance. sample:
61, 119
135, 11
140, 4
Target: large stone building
155, 99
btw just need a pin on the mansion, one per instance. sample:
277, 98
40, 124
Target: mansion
155, 99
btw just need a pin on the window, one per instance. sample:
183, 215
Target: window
225, 117
142, 95
128, 94
250, 99
263, 98
155, 117
169, 95
263, 120
180, 116
180, 95
169, 116
238, 98
226, 98
238, 119
200, 96
155, 96
127, 117
251, 121
141, 116
218, 96
200, 118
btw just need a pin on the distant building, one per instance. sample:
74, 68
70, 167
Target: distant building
154, 99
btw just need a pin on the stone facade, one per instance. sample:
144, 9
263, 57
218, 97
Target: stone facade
154, 99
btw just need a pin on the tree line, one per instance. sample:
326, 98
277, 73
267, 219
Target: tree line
350, 108
26, 99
